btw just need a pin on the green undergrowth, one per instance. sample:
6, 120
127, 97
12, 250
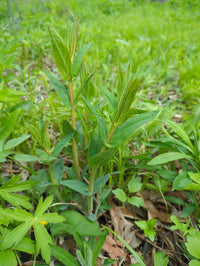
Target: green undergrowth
98, 99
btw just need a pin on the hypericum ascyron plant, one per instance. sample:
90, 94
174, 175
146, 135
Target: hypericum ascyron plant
106, 136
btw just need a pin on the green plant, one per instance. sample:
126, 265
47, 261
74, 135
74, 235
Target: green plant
134, 186
148, 227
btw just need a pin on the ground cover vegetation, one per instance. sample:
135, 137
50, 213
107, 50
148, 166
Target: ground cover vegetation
99, 132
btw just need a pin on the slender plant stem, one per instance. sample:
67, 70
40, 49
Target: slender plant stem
94, 170
74, 144
54, 183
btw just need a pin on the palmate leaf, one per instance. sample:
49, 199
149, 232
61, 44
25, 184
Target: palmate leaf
51, 218
43, 206
43, 240
16, 200
16, 235
61, 54
124, 132
26, 245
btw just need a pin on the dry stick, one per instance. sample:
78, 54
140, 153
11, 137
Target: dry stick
74, 144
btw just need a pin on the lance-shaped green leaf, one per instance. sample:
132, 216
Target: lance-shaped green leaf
7, 257
129, 90
51, 218
61, 54
60, 88
178, 129
79, 60
112, 100
168, 157
83, 86
43, 206
62, 255
124, 132
100, 122
61, 144
21, 157
16, 141
100, 158
100, 182
77, 186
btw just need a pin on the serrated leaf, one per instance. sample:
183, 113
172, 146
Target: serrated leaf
51, 218
26, 245
61, 54
124, 132
136, 201
16, 141
134, 184
79, 60
63, 256
43, 206
16, 200
168, 157
16, 235
60, 88
120, 194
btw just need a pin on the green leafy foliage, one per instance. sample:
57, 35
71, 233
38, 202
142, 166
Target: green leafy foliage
148, 227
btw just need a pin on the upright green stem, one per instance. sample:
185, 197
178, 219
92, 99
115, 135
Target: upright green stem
54, 183
94, 170
74, 144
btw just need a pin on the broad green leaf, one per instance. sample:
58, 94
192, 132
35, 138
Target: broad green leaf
160, 259
16, 235
136, 201
7, 257
3, 156
14, 142
178, 129
61, 54
44, 157
100, 122
77, 186
181, 181
43, 206
100, 182
120, 194
188, 210
26, 245
95, 144
60, 88
51, 218
10, 95
75, 222
25, 158
192, 245
41, 180
168, 157
134, 184
124, 132
79, 60
61, 144
194, 263
100, 158
63, 256
70, 172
